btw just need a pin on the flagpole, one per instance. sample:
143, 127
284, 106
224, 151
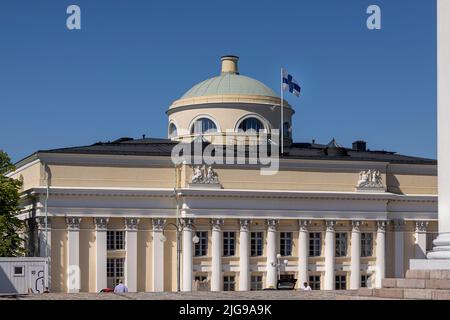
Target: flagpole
281, 108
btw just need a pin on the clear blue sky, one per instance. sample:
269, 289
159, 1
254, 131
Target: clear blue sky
118, 75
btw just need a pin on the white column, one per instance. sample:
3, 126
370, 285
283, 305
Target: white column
216, 259
131, 226
399, 244
380, 252
73, 254
420, 236
187, 254
442, 243
158, 255
355, 258
330, 250
271, 254
45, 246
244, 256
303, 252
100, 253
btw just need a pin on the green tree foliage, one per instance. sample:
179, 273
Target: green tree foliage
10, 225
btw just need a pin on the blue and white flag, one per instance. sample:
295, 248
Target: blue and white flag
289, 83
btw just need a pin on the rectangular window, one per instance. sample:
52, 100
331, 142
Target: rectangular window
19, 271
365, 281
314, 282
286, 243
315, 244
201, 248
228, 283
341, 244
229, 241
115, 271
115, 240
341, 282
256, 283
200, 278
256, 244
366, 244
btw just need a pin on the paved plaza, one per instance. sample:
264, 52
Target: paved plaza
235, 295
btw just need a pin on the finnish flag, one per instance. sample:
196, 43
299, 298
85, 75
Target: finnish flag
289, 83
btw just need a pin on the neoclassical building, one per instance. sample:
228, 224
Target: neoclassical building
336, 217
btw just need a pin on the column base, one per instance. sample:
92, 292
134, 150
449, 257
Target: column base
429, 264
441, 248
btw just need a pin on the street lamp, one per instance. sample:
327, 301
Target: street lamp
179, 229
279, 264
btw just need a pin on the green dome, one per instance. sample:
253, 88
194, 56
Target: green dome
229, 84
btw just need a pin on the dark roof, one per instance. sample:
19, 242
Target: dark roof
312, 151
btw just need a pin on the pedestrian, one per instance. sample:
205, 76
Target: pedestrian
306, 287
120, 288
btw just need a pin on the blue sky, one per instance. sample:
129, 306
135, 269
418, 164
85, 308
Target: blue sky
118, 75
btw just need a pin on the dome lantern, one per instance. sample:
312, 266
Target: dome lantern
230, 64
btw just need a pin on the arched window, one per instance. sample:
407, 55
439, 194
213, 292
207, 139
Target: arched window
250, 125
287, 130
172, 130
203, 125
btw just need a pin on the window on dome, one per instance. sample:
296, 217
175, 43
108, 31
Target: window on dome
203, 125
251, 125
287, 130
172, 130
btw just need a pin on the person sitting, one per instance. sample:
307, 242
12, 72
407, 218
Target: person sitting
305, 287
120, 288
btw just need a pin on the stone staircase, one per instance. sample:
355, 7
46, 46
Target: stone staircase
418, 284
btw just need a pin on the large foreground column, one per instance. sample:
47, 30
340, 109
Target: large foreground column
271, 276
100, 253
442, 243
355, 258
73, 254
303, 252
187, 254
216, 261
330, 248
244, 256
158, 255
380, 253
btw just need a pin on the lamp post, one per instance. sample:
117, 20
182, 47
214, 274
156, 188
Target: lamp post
179, 229
279, 264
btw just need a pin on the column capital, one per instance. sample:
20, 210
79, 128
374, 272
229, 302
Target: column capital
245, 224
381, 225
40, 222
356, 225
303, 225
73, 223
272, 224
421, 226
101, 223
330, 224
158, 224
216, 224
188, 223
131, 224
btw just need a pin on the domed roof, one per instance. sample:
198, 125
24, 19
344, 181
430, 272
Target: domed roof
229, 83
